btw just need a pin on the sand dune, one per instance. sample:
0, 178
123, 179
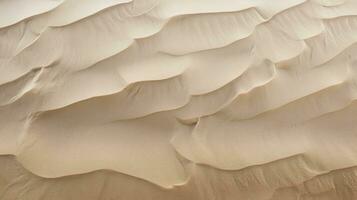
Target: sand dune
165, 99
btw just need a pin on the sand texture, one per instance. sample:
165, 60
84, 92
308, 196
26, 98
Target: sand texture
178, 99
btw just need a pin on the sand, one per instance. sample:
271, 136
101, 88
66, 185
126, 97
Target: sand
178, 100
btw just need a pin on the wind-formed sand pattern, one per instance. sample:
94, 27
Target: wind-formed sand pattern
178, 100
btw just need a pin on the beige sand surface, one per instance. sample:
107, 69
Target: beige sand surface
178, 99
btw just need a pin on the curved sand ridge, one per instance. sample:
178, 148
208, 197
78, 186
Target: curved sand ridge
163, 99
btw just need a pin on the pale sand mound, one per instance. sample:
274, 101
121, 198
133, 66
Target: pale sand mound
178, 99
